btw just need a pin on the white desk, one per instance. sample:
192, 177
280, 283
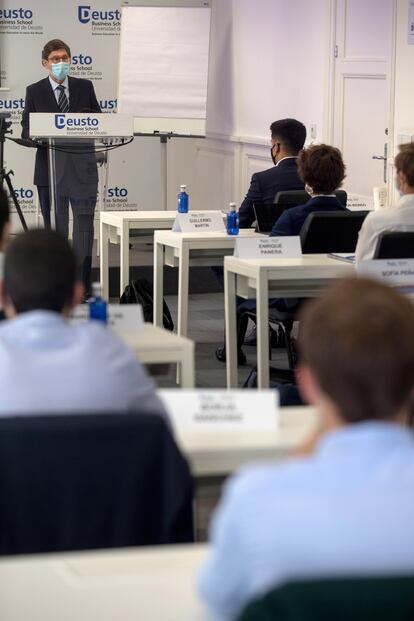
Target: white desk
220, 453
141, 584
115, 227
154, 345
177, 249
276, 278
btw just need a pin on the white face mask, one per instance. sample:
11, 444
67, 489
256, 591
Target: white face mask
309, 190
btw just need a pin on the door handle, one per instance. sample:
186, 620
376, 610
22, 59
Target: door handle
384, 158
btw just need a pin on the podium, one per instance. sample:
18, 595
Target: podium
77, 147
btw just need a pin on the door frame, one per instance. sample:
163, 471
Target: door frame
330, 88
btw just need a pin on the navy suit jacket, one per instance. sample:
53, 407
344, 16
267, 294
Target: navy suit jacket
291, 220
41, 98
265, 185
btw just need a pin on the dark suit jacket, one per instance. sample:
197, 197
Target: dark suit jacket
41, 98
291, 220
265, 185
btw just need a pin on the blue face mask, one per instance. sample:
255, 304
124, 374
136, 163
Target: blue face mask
60, 70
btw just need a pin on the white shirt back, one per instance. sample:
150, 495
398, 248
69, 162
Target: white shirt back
50, 366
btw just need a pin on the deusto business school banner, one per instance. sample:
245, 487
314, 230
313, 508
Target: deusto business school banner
92, 32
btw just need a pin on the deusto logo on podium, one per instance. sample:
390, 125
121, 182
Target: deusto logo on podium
76, 124
101, 21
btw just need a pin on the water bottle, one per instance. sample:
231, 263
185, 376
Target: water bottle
98, 307
232, 221
182, 206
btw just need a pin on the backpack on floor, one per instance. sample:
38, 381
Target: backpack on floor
140, 292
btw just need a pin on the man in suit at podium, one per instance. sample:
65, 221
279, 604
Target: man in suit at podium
76, 173
288, 138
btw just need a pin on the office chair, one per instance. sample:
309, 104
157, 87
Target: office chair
356, 599
331, 231
268, 213
87, 481
395, 245
293, 198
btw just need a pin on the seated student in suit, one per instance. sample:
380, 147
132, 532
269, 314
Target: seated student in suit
343, 507
47, 364
288, 138
322, 170
399, 218
5, 226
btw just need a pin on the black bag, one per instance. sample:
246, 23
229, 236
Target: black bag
140, 292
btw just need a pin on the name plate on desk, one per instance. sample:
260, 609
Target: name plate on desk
121, 317
391, 271
213, 410
199, 221
268, 248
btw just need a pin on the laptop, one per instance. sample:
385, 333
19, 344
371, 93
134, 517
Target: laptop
266, 215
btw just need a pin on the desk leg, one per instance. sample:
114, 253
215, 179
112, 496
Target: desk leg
124, 266
158, 283
182, 302
103, 258
187, 369
230, 326
262, 331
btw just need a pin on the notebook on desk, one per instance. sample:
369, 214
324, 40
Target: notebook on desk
342, 256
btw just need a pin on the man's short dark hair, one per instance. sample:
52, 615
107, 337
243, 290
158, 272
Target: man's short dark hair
322, 168
290, 133
39, 271
4, 210
52, 46
358, 340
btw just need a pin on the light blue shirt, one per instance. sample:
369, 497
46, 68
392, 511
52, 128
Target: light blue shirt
346, 510
50, 366
54, 85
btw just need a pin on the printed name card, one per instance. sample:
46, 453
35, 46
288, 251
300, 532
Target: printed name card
391, 271
213, 410
268, 248
199, 222
121, 317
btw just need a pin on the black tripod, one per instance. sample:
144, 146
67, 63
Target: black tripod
5, 176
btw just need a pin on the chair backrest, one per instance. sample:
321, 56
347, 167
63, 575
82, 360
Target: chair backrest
268, 213
91, 481
395, 245
293, 198
356, 599
331, 231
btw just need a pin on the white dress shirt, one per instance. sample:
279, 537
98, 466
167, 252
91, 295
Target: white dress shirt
50, 366
54, 85
344, 511
399, 218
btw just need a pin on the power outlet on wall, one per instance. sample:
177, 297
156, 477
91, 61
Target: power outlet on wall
313, 131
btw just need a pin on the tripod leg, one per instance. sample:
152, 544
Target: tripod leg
6, 177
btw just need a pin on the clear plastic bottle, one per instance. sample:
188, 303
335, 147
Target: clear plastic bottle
232, 220
182, 206
98, 307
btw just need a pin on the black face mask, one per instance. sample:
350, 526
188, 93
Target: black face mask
274, 160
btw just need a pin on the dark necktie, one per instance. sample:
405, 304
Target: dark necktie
63, 103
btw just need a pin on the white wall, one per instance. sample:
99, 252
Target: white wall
404, 72
268, 61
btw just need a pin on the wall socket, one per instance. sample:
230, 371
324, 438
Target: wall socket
313, 131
